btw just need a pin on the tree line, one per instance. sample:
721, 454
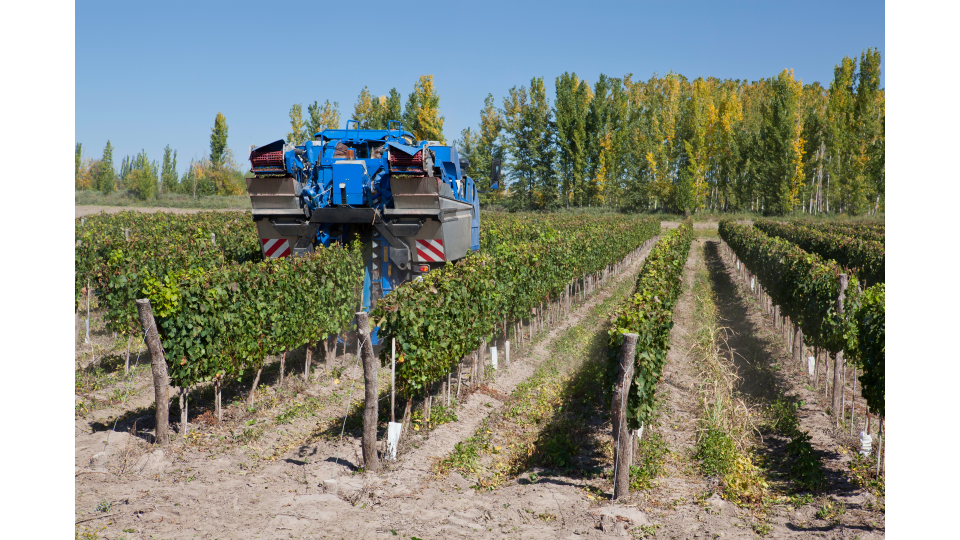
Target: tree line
774, 146
217, 174
420, 114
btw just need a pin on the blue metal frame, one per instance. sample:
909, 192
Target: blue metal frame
366, 184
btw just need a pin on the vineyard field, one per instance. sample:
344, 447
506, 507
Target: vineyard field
508, 442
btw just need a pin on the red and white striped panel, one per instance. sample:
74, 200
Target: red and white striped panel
275, 247
430, 250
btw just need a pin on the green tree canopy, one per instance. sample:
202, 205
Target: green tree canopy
298, 128
106, 175
218, 141
168, 175
421, 116
322, 117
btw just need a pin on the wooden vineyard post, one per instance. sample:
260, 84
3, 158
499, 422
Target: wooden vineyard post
483, 359
217, 394
797, 343
308, 358
87, 338
256, 382
838, 358
621, 435
879, 444
393, 378
369, 441
405, 422
126, 359
459, 378
853, 401
158, 365
184, 411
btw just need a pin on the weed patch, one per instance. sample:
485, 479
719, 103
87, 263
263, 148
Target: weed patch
863, 472
650, 460
716, 453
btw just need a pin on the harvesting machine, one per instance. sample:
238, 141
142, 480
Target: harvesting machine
409, 202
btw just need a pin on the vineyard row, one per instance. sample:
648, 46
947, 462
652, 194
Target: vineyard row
867, 257
826, 307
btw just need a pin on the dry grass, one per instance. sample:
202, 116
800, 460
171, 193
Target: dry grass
720, 406
727, 425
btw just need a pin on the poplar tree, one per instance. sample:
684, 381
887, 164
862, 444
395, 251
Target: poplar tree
298, 128
540, 129
482, 146
596, 134
322, 117
363, 110
571, 107
636, 195
384, 109
869, 111
729, 116
126, 165
168, 176
661, 118
490, 143
218, 142
619, 123
106, 180
142, 176
840, 140
517, 166
391, 110
815, 141
78, 167
781, 145
700, 123
421, 115
528, 123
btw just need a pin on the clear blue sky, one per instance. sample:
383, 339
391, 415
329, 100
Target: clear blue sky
152, 74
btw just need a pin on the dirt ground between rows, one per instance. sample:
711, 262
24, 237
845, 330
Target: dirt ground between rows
685, 504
